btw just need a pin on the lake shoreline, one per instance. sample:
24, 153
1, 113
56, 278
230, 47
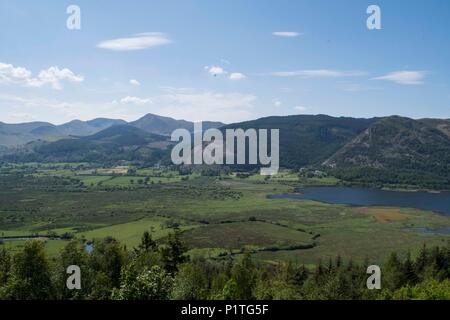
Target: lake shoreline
369, 197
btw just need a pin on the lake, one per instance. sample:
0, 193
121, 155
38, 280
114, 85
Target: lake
438, 202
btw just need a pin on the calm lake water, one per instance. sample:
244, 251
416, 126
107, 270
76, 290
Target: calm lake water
438, 202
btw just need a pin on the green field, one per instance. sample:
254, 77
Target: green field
236, 234
53, 247
213, 214
130, 233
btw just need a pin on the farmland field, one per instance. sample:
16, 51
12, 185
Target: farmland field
213, 214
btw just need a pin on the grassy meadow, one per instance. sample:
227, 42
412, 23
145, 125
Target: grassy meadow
215, 215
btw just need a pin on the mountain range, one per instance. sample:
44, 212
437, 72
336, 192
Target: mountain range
13, 135
384, 150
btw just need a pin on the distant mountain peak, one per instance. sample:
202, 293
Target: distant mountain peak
165, 125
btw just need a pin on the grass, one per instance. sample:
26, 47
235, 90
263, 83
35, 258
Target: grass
122, 181
93, 180
238, 234
358, 246
130, 233
385, 215
213, 214
53, 247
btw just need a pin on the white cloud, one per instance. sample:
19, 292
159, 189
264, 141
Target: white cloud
9, 73
237, 76
13, 98
286, 34
216, 70
52, 76
23, 109
300, 108
277, 103
137, 42
207, 105
404, 77
134, 82
179, 103
219, 71
317, 73
28, 108
134, 100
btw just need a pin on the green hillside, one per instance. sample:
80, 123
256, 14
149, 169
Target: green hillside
116, 143
307, 139
396, 150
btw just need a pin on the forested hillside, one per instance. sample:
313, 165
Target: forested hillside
377, 151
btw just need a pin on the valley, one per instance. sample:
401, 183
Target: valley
389, 152
109, 178
215, 215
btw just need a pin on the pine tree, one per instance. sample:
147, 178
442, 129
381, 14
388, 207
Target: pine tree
409, 271
5, 266
393, 275
147, 243
330, 267
421, 262
173, 254
242, 281
318, 273
300, 275
338, 261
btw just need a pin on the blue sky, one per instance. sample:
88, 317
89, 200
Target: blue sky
223, 60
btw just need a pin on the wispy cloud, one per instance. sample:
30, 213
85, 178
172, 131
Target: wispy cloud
137, 42
37, 108
286, 34
316, 73
22, 117
52, 76
179, 103
300, 108
133, 100
350, 87
237, 76
404, 77
28, 108
207, 105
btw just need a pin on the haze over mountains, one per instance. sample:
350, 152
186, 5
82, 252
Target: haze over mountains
12, 135
393, 149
